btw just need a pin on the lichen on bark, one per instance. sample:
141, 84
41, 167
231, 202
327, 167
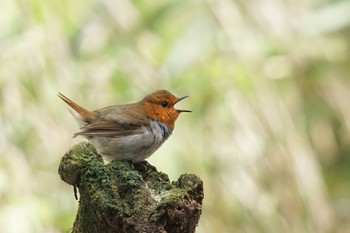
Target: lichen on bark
125, 197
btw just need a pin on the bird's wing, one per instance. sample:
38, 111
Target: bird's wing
116, 121
110, 129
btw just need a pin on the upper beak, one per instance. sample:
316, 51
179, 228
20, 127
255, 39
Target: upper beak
180, 99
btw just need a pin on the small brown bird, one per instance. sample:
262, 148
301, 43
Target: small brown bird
130, 131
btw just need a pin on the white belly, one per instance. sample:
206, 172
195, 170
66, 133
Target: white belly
135, 147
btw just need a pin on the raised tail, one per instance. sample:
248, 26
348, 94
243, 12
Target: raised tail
85, 116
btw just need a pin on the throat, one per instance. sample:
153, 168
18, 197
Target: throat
161, 128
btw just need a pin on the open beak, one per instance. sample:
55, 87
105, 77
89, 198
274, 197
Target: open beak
180, 99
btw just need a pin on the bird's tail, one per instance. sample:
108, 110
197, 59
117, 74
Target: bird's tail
84, 116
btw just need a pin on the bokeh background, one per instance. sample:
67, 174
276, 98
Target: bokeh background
270, 93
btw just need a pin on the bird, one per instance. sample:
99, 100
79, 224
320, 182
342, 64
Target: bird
129, 131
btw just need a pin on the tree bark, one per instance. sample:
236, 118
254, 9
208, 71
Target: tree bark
129, 198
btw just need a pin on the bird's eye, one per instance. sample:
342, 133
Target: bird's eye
164, 104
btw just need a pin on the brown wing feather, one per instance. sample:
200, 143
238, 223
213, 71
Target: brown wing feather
123, 114
116, 121
109, 129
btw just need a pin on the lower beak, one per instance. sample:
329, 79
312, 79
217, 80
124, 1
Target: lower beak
180, 99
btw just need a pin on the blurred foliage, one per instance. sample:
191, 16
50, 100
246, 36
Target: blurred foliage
270, 94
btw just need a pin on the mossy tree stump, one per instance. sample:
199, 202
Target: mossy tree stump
129, 198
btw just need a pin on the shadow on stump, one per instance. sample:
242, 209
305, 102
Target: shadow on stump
129, 198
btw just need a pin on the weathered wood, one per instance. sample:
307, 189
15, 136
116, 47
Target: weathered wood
128, 198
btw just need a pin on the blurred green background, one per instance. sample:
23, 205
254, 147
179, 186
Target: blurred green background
270, 94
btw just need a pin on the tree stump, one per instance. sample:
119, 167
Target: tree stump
125, 197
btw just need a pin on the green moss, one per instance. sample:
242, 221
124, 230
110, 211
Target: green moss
122, 191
